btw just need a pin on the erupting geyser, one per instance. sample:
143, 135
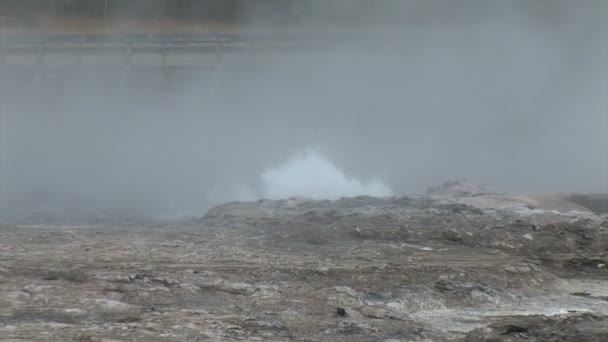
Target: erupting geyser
311, 175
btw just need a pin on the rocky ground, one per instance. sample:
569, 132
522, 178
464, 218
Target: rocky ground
470, 265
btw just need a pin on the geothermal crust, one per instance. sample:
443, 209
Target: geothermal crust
462, 263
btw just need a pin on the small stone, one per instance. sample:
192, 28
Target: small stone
528, 236
444, 285
33, 289
88, 337
518, 269
341, 312
323, 270
373, 312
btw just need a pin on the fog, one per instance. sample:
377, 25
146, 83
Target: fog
509, 93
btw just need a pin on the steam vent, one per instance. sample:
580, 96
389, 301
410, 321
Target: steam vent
304, 170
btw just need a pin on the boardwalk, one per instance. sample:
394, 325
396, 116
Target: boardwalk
167, 50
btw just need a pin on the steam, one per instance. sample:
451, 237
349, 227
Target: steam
509, 93
311, 175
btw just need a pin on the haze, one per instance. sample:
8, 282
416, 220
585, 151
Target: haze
509, 93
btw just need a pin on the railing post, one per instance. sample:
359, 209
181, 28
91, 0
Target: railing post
2, 51
252, 52
163, 51
129, 54
80, 48
127, 67
40, 54
164, 60
39, 69
217, 68
106, 8
219, 50
3, 171
53, 7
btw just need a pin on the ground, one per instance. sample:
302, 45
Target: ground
428, 268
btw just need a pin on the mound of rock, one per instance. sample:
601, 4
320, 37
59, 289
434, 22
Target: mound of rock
484, 197
458, 188
513, 223
461, 264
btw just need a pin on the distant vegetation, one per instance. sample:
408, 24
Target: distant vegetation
213, 10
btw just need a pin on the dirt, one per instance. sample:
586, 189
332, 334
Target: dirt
424, 268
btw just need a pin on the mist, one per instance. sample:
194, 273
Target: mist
509, 93
310, 175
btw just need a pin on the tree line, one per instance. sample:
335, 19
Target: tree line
182, 9
222, 9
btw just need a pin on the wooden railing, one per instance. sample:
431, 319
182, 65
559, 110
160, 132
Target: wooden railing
16, 48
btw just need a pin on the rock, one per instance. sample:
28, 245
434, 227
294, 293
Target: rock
33, 289
458, 188
518, 269
88, 337
166, 281
323, 270
352, 327
373, 312
347, 290
236, 288
444, 285
256, 278
228, 287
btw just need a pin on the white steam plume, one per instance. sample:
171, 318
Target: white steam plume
311, 175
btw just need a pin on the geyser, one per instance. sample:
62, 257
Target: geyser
311, 175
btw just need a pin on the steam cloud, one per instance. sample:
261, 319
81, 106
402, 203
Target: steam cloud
310, 175
509, 93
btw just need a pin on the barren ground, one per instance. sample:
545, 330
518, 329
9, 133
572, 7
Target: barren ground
362, 269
